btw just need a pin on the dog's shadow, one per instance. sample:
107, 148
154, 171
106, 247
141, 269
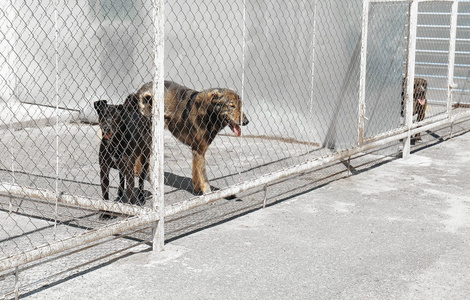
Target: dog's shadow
186, 184
175, 181
179, 182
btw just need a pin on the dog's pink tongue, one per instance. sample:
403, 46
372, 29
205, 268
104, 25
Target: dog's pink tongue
422, 101
236, 128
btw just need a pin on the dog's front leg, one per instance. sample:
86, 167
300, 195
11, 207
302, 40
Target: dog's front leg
127, 168
421, 112
122, 186
142, 175
200, 181
104, 178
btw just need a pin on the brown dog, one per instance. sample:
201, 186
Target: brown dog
419, 98
420, 102
195, 118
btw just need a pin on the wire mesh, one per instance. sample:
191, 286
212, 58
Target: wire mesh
433, 53
254, 91
386, 63
59, 59
462, 59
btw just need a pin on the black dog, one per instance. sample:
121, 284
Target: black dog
124, 146
109, 118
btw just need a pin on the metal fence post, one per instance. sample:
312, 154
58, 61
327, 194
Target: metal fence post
312, 73
156, 161
410, 74
56, 113
362, 79
8, 54
452, 41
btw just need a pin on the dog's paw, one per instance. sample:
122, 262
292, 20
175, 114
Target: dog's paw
121, 199
231, 197
197, 192
202, 189
206, 188
416, 139
106, 216
141, 198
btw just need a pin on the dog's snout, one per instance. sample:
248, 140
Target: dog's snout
245, 120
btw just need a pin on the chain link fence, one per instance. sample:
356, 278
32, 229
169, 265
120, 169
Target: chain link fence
266, 90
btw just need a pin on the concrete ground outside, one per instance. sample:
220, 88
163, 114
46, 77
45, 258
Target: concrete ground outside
397, 231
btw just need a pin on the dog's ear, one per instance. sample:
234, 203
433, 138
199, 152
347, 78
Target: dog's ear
214, 95
100, 105
147, 99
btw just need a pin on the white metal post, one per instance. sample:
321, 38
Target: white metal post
312, 73
8, 56
57, 112
410, 74
452, 39
362, 82
17, 283
8, 60
156, 161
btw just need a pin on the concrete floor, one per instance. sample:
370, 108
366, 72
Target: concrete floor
397, 231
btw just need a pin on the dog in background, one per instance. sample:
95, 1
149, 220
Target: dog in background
420, 102
124, 144
195, 118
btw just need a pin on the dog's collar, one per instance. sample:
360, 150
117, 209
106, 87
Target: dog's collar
107, 136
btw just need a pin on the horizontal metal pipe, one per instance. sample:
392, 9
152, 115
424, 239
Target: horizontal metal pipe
442, 13
441, 51
425, 125
88, 237
51, 196
440, 76
392, 1
445, 89
268, 178
433, 39
444, 65
443, 26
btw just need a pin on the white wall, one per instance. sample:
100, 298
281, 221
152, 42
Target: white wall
105, 54
92, 56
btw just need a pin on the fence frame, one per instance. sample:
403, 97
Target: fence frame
158, 126
156, 215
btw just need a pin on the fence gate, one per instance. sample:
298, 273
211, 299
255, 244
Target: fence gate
319, 81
